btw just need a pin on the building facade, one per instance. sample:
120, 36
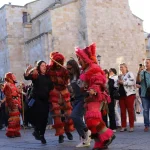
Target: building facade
147, 41
29, 33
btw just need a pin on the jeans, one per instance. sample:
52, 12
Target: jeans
77, 117
1, 121
146, 108
50, 118
117, 115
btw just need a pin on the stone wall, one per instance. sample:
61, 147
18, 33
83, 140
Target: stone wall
116, 31
27, 29
70, 23
147, 41
3, 32
118, 34
65, 28
37, 7
39, 45
4, 59
38, 49
15, 39
41, 24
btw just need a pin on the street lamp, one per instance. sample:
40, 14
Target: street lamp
99, 59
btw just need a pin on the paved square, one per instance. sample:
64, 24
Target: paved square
138, 140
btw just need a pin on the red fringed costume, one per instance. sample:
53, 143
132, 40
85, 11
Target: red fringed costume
94, 78
60, 96
13, 102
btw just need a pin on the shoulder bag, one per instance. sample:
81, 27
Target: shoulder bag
147, 95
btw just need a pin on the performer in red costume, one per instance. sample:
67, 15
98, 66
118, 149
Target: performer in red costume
13, 102
93, 81
60, 97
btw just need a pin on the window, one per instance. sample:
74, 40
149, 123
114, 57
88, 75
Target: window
25, 17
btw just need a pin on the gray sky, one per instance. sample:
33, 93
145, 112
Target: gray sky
139, 7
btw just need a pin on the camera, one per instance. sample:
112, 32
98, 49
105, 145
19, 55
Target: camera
140, 65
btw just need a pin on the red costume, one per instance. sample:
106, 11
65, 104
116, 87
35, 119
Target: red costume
60, 96
93, 78
13, 102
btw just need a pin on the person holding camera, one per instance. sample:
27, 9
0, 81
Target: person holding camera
143, 77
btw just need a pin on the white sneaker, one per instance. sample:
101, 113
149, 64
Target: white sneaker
87, 139
114, 131
81, 144
4, 129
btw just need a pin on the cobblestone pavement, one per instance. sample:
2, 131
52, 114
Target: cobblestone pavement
138, 140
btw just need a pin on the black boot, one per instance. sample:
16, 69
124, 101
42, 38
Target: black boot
36, 135
43, 141
61, 139
94, 136
108, 142
69, 136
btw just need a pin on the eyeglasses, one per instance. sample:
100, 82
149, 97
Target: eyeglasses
69, 68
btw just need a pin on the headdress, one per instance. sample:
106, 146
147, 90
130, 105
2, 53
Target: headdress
11, 76
56, 56
88, 54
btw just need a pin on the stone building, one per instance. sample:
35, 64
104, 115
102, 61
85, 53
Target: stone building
29, 33
147, 41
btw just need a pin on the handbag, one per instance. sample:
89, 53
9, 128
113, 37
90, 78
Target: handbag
116, 94
147, 95
31, 102
121, 90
